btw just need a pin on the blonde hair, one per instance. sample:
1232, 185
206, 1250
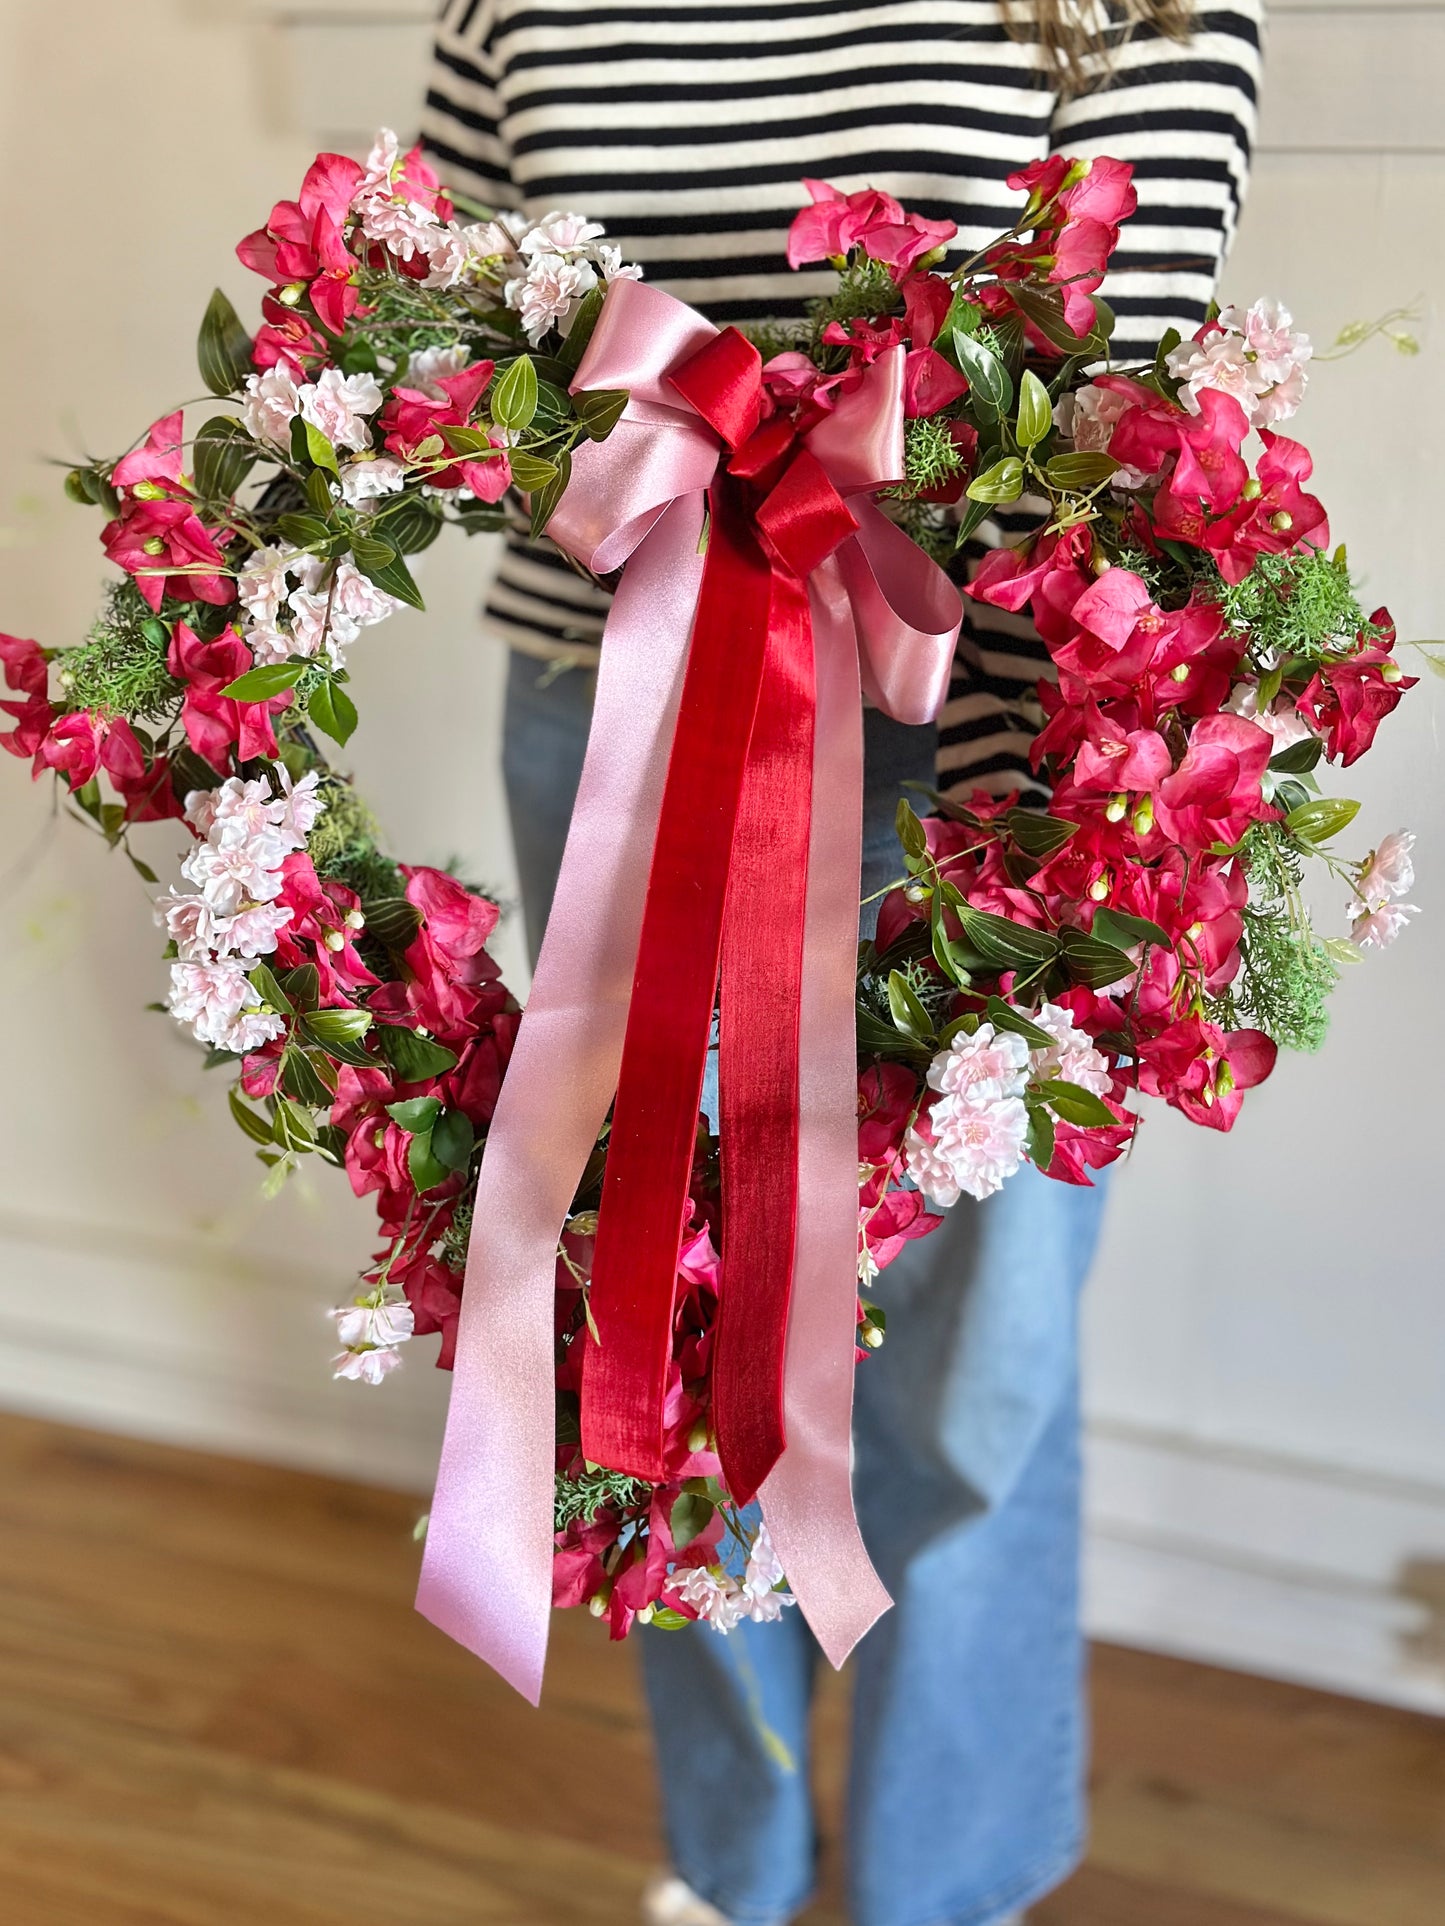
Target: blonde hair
1078, 38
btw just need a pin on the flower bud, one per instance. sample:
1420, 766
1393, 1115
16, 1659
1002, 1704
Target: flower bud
644, 1617
915, 893
1194, 932
1282, 523
335, 941
697, 1438
355, 920
1144, 816
1099, 890
1224, 1080
1390, 672
148, 491
1117, 808
1208, 1095
1180, 672
1101, 563
872, 1336
155, 546
597, 1604
288, 297
1252, 490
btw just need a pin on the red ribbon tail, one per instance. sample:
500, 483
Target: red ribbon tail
654, 1121
762, 974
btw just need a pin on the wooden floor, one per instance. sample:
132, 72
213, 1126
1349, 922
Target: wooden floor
217, 1709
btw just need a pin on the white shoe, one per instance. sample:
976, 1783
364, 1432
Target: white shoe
670, 1901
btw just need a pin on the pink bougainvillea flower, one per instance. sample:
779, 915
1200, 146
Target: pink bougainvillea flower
158, 460
1347, 700
216, 724
412, 417
1216, 792
27, 672
1204, 1071
836, 223
164, 545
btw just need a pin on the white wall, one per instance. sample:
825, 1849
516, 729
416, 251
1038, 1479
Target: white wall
1266, 1325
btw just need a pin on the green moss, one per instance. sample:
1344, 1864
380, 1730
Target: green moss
1299, 605
120, 669
345, 845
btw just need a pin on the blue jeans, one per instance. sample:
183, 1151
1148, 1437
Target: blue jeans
965, 1797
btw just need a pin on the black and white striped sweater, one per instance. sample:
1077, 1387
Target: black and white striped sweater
686, 127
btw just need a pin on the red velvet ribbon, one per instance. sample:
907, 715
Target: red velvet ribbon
726, 893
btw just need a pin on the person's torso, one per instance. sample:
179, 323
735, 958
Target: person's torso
687, 128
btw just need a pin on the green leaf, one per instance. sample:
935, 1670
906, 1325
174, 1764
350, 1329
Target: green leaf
910, 830
468, 441
256, 1127
974, 515
514, 394
691, 1515
1039, 1144
1114, 926
333, 711
599, 410
989, 381
1094, 963
1075, 1104
1005, 944
223, 455
1046, 312
223, 348
1003, 1016
304, 531
453, 1140
270, 991
584, 320
308, 1077
392, 920
426, 1171
1004, 482
380, 563
1299, 758
1036, 414
302, 985
292, 1128
260, 684
1319, 821
909, 1014
545, 501
1080, 470
337, 1026
1038, 835
410, 523
531, 472
320, 449
415, 1115
415, 1059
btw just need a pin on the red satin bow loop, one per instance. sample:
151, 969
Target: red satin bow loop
724, 767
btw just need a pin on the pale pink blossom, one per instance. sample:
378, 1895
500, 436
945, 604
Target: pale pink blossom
339, 404
365, 1367
299, 805
546, 292
272, 403
562, 234
366, 479
262, 585
1282, 719
242, 812
724, 1602
967, 1148
426, 368
983, 1067
250, 1031
1072, 1057
232, 876
470, 254
209, 996
1221, 361
613, 267
381, 1318
1255, 354
1376, 929
1390, 870
329, 619
252, 932
1089, 417
190, 923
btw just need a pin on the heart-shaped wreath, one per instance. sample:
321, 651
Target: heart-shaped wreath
1030, 969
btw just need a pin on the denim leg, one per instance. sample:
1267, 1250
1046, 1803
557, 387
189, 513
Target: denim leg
965, 1794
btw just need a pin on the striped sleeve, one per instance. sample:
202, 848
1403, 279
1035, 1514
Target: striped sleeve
1184, 117
462, 121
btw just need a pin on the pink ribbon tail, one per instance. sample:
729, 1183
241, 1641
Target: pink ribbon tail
807, 1499
486, 1576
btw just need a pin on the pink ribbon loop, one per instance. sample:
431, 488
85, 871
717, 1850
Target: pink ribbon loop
880, 609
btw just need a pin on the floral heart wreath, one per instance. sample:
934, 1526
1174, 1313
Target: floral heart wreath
1030, 971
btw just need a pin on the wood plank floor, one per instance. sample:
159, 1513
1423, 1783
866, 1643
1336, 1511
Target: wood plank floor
218, 1709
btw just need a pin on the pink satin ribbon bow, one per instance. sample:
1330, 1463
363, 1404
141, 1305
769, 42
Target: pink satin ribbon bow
885, 620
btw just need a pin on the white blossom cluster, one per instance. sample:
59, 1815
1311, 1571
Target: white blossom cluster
1255, 354
246, 832
724, 1601
973, 1138
293, 609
